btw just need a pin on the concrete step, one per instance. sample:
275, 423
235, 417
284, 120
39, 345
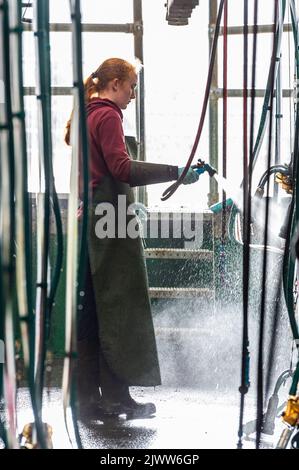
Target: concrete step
178, 253
180, 292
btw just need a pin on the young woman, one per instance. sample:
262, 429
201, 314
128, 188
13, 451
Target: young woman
116, 341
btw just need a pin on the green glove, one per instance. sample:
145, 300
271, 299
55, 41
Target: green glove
191, 176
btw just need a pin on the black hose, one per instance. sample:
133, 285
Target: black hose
260, 378
265, 109
3, 431
43, 201
292, 218
70, 394
247, 218
284, 169
8, 220
58, 259
23, 214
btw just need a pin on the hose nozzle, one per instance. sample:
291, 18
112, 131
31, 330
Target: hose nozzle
259, 192
201, 167
220, 206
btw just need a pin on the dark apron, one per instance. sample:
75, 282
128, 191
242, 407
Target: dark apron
120, 286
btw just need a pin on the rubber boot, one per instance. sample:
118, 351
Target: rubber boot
136, 410
116, 399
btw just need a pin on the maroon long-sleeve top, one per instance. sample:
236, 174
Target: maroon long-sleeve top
107, 148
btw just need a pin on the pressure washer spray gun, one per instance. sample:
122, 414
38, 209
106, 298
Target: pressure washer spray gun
202, 166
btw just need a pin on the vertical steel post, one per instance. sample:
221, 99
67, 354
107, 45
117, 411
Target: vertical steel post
278, 118
140, 115
213, 195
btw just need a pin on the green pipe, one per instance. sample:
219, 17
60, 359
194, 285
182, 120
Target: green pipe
294, 386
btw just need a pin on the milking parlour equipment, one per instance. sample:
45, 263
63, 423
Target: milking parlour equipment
285, 177
28, 293
240, 225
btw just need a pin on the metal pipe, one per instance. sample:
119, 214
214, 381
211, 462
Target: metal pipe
217, 93
284, 438
265, 28
213, 195
140, 112
278, 117
88, 27
55, 90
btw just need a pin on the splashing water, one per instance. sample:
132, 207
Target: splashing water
232, 191
258, 206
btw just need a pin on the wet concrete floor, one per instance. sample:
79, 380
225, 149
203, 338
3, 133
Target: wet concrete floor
186, 419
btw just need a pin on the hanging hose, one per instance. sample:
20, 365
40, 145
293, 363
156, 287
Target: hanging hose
8, 233
278, 118
285, 170
75, 272
3, 431
222, 255
288, 264
22, 202
171, 189
245, 380
43, 198
53, 198
260, 378
23, 216
265, 108
58, 259
44, 292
